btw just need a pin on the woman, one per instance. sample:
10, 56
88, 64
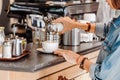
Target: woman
105, 13
107, 65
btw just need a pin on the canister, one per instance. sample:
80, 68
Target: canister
7, 50
72, 37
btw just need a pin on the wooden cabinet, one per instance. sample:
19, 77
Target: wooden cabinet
51, 73
73, 71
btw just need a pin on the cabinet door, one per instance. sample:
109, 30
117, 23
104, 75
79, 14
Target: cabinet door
73, 72
69, 73
83, 77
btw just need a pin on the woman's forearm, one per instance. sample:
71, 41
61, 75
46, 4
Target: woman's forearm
85, 26
86, 65
93, 26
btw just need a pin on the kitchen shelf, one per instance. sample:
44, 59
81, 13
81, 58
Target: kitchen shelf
55, 9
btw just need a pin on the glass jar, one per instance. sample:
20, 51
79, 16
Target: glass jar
2, 35
2, 39
7, 50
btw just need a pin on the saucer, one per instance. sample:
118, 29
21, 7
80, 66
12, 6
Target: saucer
41, 50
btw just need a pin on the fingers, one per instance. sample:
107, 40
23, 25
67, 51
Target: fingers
66, 22
59, 20
63, 31
59, 52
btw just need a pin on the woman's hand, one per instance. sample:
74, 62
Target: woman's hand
68, 23
69, 56
73, 58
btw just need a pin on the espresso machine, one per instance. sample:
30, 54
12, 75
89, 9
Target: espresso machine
77, 12
56, 10
19, 12
37, 15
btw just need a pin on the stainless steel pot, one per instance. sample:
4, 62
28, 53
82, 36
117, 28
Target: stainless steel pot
72, 37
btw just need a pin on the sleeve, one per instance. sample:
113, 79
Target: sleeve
94, 71
102, 29
109, 69
99, 17
99, 30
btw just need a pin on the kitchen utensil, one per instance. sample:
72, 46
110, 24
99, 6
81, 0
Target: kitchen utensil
7, 53
14, 29
49, 46
18, 46
2, 35
72, 37
35, 20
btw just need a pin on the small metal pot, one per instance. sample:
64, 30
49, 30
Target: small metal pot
72, 37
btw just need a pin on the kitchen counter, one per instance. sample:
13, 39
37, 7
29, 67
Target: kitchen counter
36, 60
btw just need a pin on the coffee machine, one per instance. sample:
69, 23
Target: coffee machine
18, 12
77, 12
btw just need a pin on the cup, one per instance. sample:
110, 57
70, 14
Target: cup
49, 46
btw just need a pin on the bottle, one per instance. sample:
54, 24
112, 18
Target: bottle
2, 35
57, 36
2, 39
1, 50
36, 35
6, 50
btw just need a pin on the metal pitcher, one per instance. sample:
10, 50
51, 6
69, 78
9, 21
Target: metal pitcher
72, 37
18, 46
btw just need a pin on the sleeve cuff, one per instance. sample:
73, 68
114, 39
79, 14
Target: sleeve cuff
92, 70
99, 30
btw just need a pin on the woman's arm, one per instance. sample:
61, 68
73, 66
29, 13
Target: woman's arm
90, 27
69, 24
74, 58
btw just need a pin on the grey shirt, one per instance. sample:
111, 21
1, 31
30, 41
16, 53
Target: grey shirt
105, 13
100, 29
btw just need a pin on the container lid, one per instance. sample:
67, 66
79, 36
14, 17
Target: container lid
2, 28
7, 43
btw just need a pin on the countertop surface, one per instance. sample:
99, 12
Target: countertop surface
36, 60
